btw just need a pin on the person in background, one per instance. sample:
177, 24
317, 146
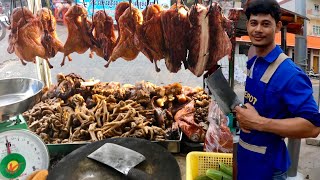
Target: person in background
278, 100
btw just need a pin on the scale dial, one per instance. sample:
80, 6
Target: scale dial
21, 153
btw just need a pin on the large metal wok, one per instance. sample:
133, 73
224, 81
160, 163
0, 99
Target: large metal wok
159, 163
18, 95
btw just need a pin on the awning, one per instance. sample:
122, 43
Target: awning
313, 42
293, 21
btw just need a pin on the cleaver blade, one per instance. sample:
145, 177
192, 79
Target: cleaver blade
222, 92
118, 157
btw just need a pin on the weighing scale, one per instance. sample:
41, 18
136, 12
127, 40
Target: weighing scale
21, 151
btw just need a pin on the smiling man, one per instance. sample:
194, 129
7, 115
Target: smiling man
278, 98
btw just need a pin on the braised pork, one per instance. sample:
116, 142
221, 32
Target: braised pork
199, 39
219, 42
175, 26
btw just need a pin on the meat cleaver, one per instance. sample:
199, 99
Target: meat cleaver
222, 92
122, 159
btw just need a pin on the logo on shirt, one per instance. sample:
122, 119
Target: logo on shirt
250, 98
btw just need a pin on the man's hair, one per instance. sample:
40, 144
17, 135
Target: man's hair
255, 7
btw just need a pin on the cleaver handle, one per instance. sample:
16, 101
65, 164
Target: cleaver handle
137, 174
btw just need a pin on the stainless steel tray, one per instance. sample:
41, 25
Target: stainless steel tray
172, 146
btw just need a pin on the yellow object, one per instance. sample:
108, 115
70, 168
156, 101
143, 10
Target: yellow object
38, 175
198, 162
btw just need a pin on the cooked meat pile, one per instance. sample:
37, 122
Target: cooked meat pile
196, 38
71, 112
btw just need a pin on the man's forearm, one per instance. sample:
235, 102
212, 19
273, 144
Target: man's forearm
291, 128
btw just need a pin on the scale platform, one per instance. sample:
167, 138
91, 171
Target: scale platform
16, 122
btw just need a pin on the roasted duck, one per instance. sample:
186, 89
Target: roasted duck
79, 29
103, 32
126, 47
25, 36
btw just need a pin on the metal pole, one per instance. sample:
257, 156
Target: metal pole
284, 39
294, 151
300, 53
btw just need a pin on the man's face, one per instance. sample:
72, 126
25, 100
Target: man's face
261, 29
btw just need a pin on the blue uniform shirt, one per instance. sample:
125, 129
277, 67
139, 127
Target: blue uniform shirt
288, 94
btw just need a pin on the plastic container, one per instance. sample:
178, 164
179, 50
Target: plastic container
198, 162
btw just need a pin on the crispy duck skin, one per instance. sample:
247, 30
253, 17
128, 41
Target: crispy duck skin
121, 7
25, 36
175, 26
19, 18
126, 47
78, 36
199, 39
219, 42
150, 34
104, 34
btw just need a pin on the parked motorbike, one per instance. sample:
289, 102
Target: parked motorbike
3, 25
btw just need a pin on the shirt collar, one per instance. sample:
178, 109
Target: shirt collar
273, 55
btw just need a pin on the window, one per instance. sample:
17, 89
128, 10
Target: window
316, 7
316, 30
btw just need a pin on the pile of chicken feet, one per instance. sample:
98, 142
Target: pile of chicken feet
196, 38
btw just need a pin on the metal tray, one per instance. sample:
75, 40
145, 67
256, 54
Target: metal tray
172, 146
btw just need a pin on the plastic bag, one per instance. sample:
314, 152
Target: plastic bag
218, 137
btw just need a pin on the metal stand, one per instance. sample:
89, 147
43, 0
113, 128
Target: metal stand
294, 151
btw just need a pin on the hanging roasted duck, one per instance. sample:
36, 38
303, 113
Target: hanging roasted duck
126, 48
49, 39
25, 36
80, 37
149, 36
103, 32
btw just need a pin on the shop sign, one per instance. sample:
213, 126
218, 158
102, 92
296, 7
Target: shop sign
110, 5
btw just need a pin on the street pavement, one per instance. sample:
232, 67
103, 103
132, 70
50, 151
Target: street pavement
130, 72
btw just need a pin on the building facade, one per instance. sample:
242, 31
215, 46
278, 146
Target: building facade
313, 34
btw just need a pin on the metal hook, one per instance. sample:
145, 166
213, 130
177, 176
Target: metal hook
104, 10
